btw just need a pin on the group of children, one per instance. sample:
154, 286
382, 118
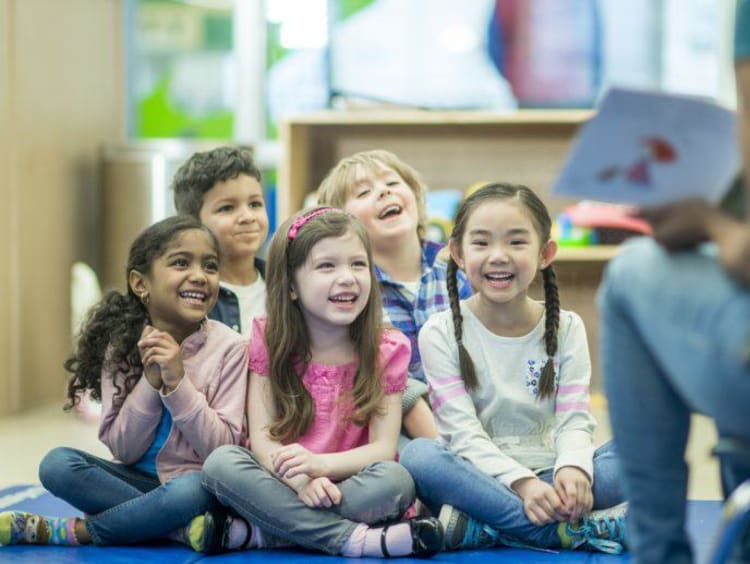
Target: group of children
355, 319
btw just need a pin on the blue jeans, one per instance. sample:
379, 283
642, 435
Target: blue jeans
380, 492
674, 340
123, 506
444, 477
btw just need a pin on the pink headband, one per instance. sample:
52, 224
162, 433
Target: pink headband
304, 218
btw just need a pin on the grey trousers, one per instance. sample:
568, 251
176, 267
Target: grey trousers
380, 492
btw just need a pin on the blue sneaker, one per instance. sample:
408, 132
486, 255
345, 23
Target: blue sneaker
602, 530
464, 532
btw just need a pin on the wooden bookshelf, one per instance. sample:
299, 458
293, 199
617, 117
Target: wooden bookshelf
453, 150
450, 149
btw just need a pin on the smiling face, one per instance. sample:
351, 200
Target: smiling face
501, 251
333, 285
385, 203
235, 211
182, 284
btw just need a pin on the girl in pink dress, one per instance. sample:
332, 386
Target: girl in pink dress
324, 405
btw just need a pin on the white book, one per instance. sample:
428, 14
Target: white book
646, 148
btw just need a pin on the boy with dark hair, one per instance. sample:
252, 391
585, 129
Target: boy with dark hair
222, 189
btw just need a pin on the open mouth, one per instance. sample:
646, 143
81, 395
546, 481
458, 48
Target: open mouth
347, 298
499, 276
194, 296
390, 211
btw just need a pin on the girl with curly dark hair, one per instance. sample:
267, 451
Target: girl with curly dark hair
172, 385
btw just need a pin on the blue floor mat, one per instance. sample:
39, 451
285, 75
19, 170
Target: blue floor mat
703, 519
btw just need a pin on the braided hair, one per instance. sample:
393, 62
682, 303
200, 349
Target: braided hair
543, 224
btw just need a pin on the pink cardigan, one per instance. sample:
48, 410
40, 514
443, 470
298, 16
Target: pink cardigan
207, 407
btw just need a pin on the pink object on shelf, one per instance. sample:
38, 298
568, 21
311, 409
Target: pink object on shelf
613, 216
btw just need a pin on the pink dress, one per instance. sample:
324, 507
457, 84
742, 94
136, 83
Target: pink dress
330, 388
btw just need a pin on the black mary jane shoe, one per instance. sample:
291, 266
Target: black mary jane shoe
426, 537
214, 531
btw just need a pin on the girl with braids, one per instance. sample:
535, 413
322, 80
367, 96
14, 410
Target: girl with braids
324, 405
172, 385
509, 386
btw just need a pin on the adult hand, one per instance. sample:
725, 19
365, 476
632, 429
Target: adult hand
160, 348
541, 503
293, 459
733, 238
320, 492
573, 486
687, 223
681, 225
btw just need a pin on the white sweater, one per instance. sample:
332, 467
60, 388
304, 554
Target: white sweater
500, 427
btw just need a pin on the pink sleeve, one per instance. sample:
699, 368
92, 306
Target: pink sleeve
258, 352
128, 428
395, 352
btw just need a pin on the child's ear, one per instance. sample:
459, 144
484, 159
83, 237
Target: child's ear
455, 250
547, 254
138, 283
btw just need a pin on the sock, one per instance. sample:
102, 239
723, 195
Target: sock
257, 540
365, 541
242, 535
355, 544
18, 527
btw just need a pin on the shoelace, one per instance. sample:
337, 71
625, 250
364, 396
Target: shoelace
611, 525
592, 531
478, 535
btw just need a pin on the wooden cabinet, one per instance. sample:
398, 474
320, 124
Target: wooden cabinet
452, 150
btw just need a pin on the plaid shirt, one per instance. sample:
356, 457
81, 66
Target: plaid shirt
409, 315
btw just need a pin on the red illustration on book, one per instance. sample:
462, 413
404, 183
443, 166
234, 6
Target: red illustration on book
656, 150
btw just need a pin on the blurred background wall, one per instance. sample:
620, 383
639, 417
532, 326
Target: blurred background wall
101, 100
61, 98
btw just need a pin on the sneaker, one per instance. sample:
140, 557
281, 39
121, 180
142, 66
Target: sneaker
464, 532
603, 530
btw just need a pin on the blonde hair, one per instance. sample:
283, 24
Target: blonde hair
334, 190
286, 333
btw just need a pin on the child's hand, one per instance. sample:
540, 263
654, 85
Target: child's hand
160, 348
293, 459
574, 489
320, 492
541, 503
151, 371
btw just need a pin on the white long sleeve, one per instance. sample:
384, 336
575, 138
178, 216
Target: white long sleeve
501, 427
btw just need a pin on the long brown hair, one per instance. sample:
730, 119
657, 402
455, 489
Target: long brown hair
543, 225
286, 333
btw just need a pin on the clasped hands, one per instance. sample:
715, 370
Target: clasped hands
161, 358
569, 499
295, 461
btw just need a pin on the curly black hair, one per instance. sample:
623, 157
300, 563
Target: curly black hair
110, 333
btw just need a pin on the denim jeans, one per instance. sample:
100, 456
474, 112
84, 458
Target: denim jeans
444, 477
380, 492
123, 505
674, 340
